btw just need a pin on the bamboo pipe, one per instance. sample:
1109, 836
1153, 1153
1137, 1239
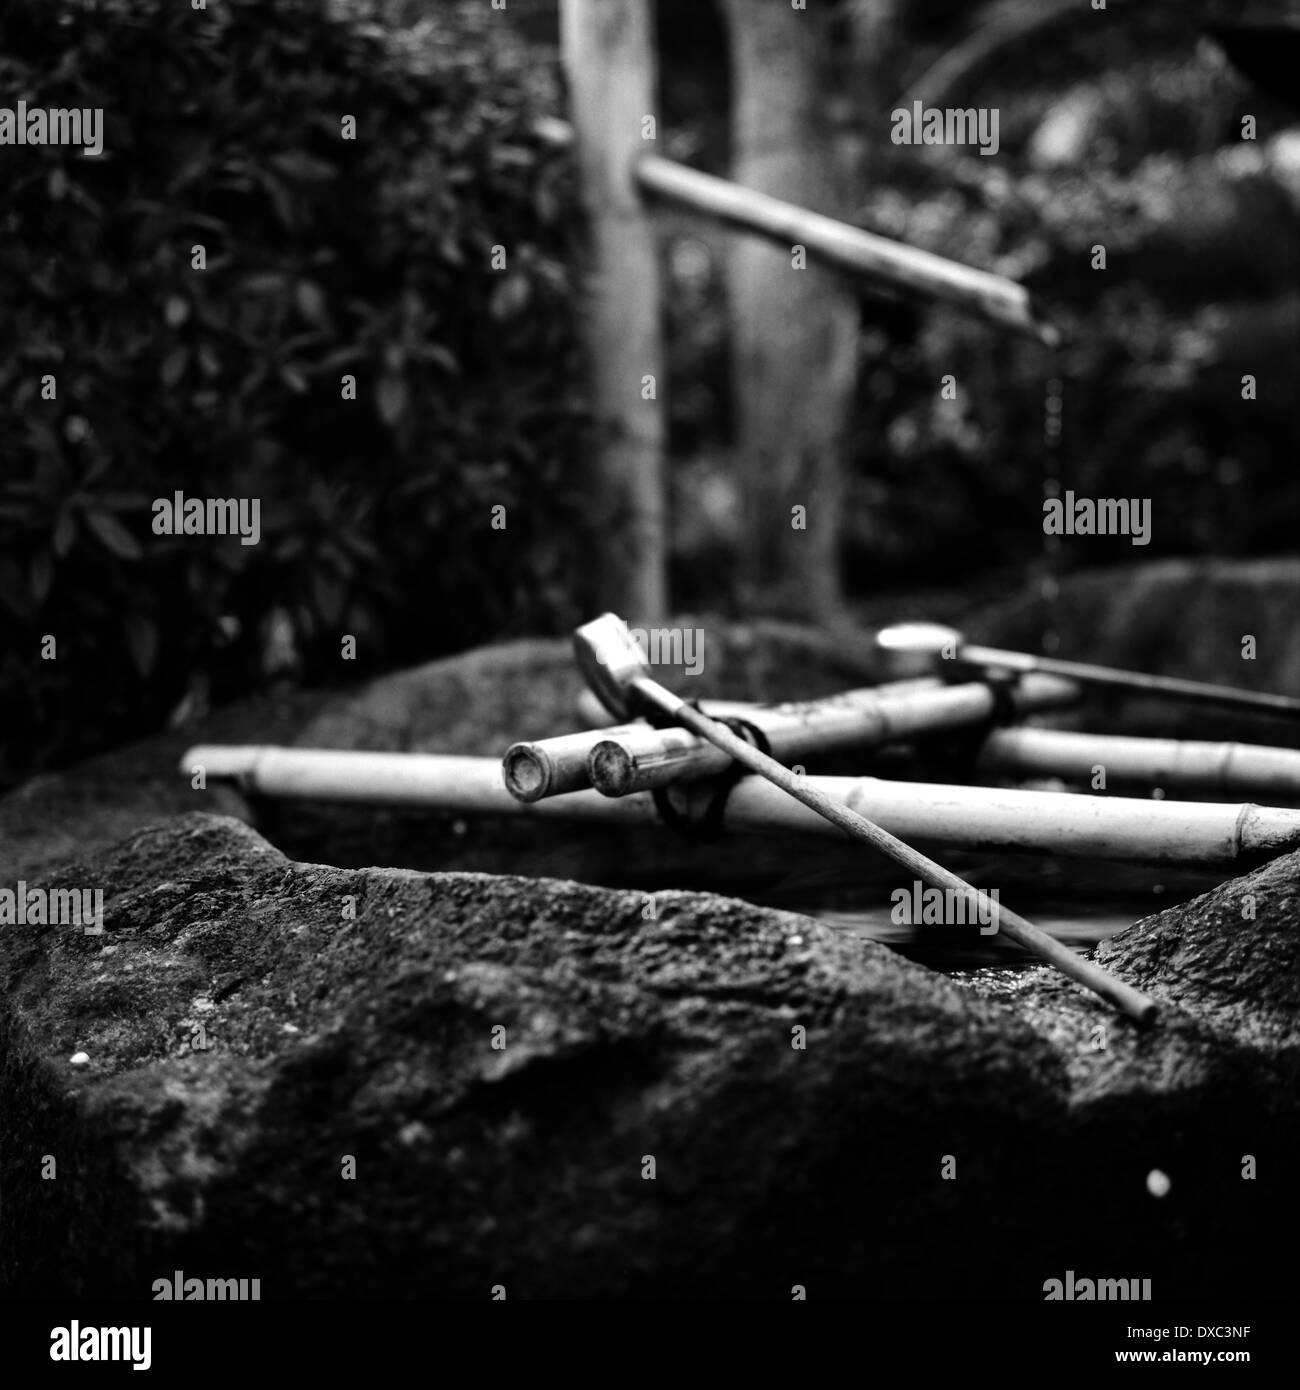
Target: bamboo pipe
553, 766
1101, 827
1243, 769
640, 758
637, 757
1252, 771
615, 669
848, 248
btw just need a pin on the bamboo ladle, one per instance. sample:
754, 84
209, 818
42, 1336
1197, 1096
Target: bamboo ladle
915, 649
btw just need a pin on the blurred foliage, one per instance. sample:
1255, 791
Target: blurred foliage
1126, 135
324, 256
1201, 231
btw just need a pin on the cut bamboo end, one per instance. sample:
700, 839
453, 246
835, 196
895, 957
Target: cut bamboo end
527, 773
1147, 1013
554, 766
611, 769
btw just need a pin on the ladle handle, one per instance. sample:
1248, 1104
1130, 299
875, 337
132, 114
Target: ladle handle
1087, 674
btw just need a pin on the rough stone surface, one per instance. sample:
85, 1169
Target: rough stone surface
330, 1036
58, 815
1236, 950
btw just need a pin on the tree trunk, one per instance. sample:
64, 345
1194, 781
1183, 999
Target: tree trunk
794, 330
610, 63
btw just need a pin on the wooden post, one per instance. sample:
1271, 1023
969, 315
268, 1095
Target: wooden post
608, 48
794, 330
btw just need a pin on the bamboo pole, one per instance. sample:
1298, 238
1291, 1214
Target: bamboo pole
553, 766
1242, 769
847, 248
1252, 771
1140, 682
655, 757
640, 758
914, 649
983, 818
595, 718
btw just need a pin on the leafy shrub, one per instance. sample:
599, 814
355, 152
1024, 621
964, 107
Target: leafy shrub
324, 257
